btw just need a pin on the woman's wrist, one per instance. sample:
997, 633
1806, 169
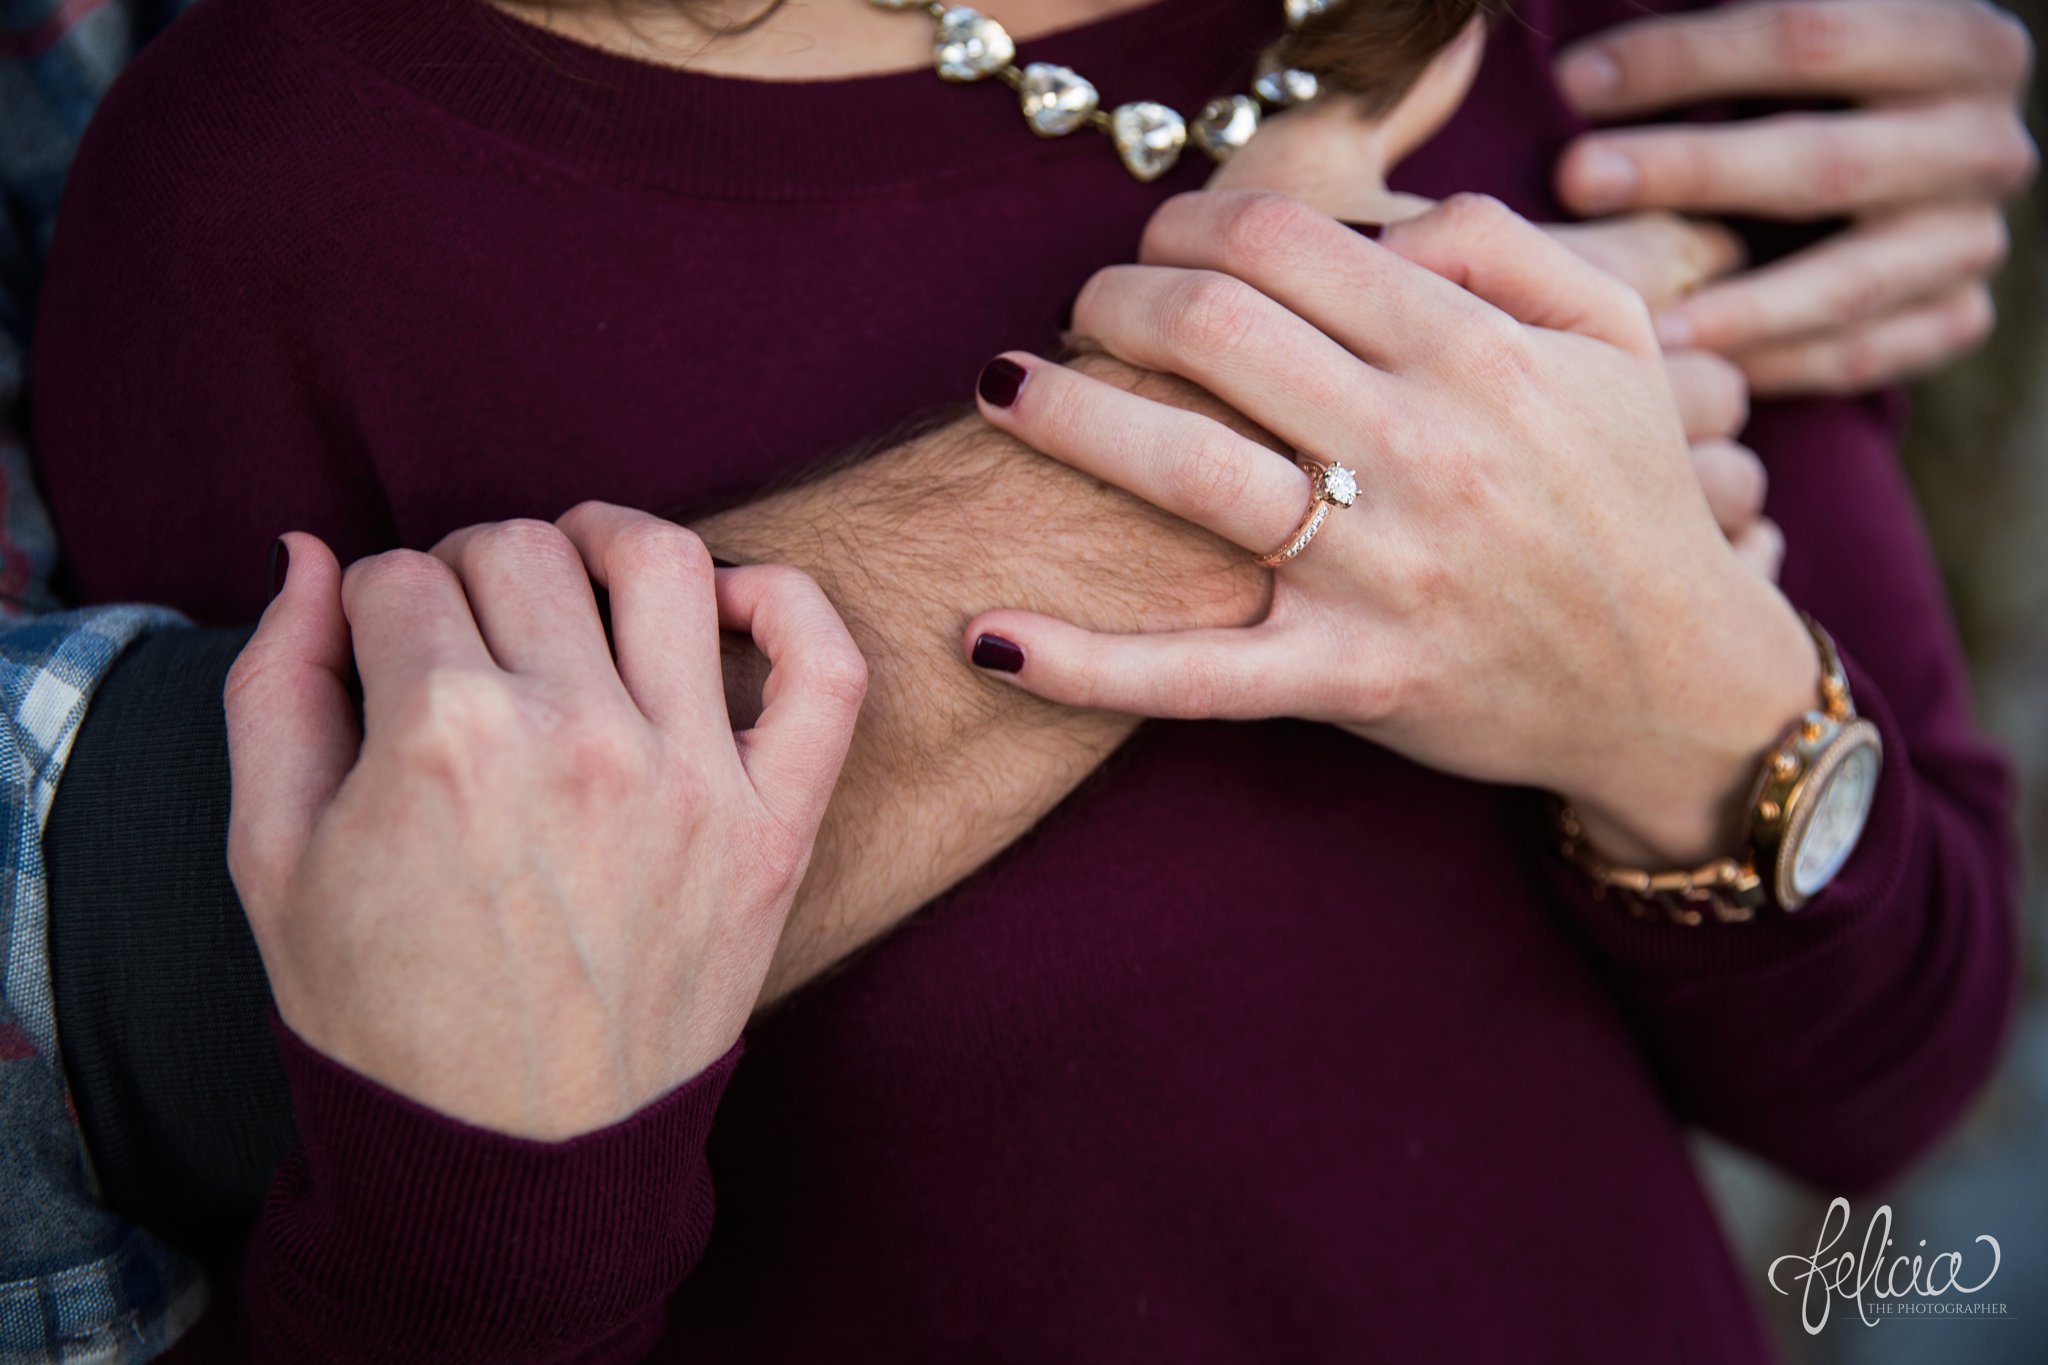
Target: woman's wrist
1677, 792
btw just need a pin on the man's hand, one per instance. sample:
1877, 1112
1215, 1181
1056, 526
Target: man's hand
544, 887
1933, 144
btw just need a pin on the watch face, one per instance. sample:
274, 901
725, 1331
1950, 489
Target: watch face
1839, 813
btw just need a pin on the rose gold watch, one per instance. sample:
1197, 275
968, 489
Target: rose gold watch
1806, 815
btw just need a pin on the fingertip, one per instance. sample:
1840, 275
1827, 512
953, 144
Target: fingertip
1675, 329
1000, 381
1590, 78
1594, 176
995, 653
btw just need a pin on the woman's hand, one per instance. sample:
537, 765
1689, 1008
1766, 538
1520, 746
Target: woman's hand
1532, 588
544, 887
1336, 158
1935, 141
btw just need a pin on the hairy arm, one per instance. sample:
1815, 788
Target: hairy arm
947, 767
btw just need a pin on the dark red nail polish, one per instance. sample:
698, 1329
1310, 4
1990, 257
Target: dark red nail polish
1369, 231
997, 655
279, 566
999, 382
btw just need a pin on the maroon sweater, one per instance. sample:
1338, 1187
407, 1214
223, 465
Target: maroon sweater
1268, 1045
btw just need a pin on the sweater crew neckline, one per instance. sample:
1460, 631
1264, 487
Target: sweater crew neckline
693, 133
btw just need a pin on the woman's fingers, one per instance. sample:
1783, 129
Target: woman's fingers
1713, 396
531, 598
292, 733
1190, 465
1908, 343
1734, 482
1370, 301
1865, 273
664, 612
1486, 247
1243, 674
1244, 346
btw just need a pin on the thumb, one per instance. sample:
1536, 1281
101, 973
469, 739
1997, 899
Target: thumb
292, 729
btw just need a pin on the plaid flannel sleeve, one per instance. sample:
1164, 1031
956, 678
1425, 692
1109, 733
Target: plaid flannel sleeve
77, 1283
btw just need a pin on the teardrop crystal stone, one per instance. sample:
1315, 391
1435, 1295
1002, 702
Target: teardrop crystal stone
1300, 12
970, 45
1225, 125
1056, 99
1148, 137
1287, 86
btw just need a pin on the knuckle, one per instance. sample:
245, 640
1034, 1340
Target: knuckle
1842, 173
1258, 223
1494, 350
1858, 289
1991, 244
840, 675
1814, 37
1864, 362
245, 677
1210, 312
1473, 215
2018, 159
2008, 46
521, 540
1749, 482
1720, 391
451, 721
1207, 477
395, 576
1975, 317
661, 547
600, 758
1204, 688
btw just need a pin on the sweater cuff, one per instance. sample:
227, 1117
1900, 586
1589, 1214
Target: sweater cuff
486, 1246
1880, 878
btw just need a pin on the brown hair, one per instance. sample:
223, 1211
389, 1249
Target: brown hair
1371, 48
1376, 48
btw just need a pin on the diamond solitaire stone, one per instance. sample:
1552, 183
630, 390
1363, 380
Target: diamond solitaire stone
1056, 99
1300, 12
1148, 137
1226, 125
969, 45
1287, 86
1340, 485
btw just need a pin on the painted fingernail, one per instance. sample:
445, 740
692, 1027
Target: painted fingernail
997, 655
1589, 75
999, 382
1674, 331
1604, 178
1369, 231
280, 565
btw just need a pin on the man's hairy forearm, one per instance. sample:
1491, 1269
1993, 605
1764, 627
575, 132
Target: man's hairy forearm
948, 767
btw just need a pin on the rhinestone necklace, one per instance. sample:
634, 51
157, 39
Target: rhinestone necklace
967, 46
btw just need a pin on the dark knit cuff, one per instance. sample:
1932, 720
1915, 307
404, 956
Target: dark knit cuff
486, 1247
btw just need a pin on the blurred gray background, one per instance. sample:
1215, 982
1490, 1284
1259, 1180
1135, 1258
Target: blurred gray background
1977, 452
